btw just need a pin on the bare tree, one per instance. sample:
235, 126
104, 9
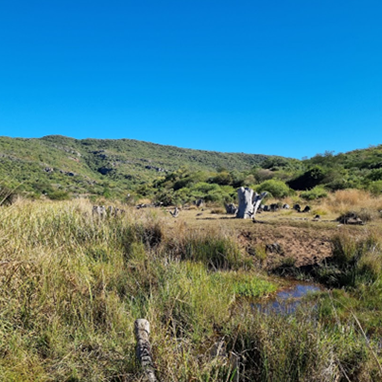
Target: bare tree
175, 214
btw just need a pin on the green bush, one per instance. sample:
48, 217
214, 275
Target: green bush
211, 192
222, 178
59, 195
375, 187
315, 193
277, 188
375, 174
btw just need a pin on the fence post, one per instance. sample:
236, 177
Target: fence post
142, 333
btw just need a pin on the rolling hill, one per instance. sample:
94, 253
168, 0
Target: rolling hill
46, 165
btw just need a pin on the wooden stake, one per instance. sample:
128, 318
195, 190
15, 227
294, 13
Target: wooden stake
142, 333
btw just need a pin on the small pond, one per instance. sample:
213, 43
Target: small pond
287, 300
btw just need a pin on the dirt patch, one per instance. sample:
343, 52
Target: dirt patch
303, 246
277, 239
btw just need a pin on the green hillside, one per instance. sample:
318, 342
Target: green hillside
61, 167
56, 164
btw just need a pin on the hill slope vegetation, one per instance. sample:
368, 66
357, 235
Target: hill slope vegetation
54, 164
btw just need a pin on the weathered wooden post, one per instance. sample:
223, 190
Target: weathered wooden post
142, 333
248, 204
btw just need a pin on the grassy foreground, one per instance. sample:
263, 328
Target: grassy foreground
71, 287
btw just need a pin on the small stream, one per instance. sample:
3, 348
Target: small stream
287, 300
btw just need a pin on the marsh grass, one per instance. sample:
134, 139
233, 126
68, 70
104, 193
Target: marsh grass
356, 260
72, 285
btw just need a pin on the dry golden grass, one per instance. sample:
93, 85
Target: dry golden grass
344, 200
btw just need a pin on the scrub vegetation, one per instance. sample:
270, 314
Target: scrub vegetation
73, 284
59, 168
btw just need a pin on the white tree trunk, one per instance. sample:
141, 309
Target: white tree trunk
245, 209
248, 203
257, 201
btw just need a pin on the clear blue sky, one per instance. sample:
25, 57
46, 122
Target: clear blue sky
285, 77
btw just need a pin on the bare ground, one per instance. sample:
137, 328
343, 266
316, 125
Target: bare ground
281, 237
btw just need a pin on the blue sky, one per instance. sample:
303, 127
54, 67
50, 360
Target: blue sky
291, 78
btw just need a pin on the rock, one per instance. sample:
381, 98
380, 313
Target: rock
199, 203
274, 207
230, 208
350, 218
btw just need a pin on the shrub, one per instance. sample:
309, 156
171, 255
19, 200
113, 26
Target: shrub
315, 193
276, 188
211, 192
375, 187
261, 174
222, 178
375, 174
311, 178
59, 195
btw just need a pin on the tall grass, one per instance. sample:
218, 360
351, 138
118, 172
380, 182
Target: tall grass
72, 285
356, 260
342, 201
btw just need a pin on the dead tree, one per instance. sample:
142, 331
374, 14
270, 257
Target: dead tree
142, 333
248, 203
175, 214
99, 211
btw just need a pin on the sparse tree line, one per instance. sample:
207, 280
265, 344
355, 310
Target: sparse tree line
280, 177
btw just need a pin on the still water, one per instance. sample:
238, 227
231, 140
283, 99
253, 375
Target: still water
287, 300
